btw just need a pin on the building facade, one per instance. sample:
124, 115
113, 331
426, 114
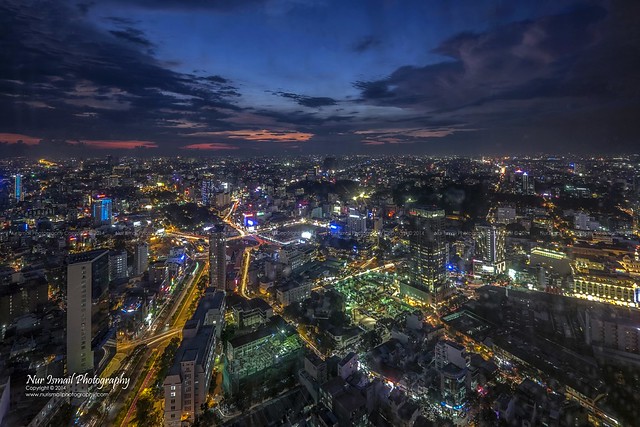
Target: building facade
218, 258
18, 190
101, 210
88, 318
141, 258
490, 255
187, 383
427, 279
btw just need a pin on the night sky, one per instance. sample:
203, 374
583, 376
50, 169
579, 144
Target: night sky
259, 77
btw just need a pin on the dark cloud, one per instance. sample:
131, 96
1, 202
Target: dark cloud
135, 36
555, 69
366, 43
308, 101
118, 20
98, 85
492, 64
271, 7
220, 5
83, 7
375, 89
562, 82
216, 79
308, 121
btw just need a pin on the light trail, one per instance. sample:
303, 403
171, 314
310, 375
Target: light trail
140, 390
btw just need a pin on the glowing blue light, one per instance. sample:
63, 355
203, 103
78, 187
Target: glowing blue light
18, 184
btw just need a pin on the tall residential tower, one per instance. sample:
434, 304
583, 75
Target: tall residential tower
217, 258
490, 243
88, 322
428, 256
18, 191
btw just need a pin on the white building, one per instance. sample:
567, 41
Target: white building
293, 291
187, 383
449, 352
87, 308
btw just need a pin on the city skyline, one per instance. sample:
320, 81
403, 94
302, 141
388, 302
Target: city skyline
338, 290
284, 77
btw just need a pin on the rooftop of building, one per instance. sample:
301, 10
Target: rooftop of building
275, 325
314, 359
87, 256
452, 370
289, 285
244, 304
350, 401
211, 301
194, 349
452, 344
334, 386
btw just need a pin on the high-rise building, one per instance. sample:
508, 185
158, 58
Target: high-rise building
528, 184
490, 243
636, 217
18, 192
208, 191
18, 299
356, 222
141, 258
427, 265
88, 322
505, 215
117, 265
187, 382
217, 258
101, 209
222, 199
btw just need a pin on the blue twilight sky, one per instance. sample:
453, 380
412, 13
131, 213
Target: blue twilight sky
318, 76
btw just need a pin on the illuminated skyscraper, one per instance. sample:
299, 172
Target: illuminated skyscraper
141, 258
490, 243
117, 265
427, 265
208, 190
217, 258
87, 310
528, 184
18, 193
101, 210
356, 222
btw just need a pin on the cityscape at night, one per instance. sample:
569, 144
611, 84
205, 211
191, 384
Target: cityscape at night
319, 213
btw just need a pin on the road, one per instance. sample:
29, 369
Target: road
160, 343
155, 344
145, 382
